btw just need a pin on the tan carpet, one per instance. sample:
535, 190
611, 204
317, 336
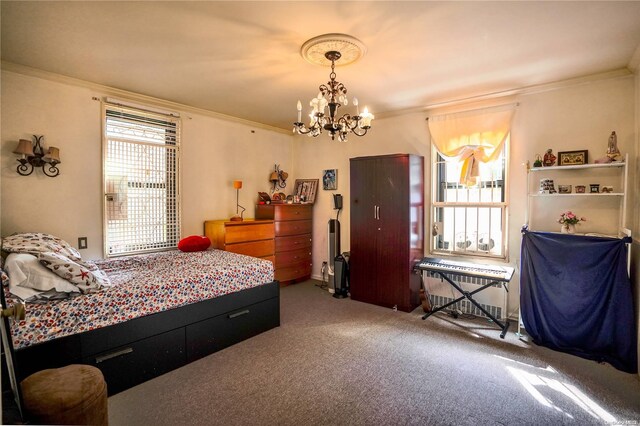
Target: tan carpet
343, 362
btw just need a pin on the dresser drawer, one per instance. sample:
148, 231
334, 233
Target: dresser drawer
294, 227
255, 248
287, 258
248, 232
293, 242
288, 273
293, 212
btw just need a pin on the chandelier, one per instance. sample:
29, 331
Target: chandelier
333, 94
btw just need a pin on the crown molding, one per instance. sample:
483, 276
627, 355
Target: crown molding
511, 93
132, 96
444, 103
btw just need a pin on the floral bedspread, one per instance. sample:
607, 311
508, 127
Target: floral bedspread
142, 285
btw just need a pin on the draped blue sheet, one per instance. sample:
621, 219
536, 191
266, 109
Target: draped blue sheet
576, 297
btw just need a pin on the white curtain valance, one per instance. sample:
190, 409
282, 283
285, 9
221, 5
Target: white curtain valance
472, 136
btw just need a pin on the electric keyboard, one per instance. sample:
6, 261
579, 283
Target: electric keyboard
492, 272
450, 269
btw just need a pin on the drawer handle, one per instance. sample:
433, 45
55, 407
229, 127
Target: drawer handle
238, 314
103, 358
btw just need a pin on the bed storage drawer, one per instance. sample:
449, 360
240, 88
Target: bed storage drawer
213, 334
129, 365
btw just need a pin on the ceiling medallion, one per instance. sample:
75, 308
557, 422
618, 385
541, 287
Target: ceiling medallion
351, 49
326, 50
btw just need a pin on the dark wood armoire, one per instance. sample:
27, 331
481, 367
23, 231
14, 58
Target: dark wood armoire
387, 229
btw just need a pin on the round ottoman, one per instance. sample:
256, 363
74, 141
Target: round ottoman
72, 395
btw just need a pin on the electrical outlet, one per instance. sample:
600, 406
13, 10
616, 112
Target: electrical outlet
82, 243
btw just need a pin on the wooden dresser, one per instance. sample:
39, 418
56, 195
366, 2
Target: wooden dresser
251, 237
293, 230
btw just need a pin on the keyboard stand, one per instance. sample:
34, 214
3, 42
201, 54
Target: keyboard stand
469, 295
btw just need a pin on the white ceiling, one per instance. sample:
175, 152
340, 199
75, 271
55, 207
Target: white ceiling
243, 58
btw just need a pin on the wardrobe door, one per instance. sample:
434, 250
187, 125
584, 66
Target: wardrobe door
364, 258
392, 231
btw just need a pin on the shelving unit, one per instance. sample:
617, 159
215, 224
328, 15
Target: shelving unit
605, 212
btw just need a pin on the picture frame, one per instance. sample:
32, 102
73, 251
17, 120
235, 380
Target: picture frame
564, 189
306, 190
330, 179
573, 158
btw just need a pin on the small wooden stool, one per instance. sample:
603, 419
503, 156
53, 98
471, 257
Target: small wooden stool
72, 395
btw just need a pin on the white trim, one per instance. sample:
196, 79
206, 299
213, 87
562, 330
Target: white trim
149, 100
521, 91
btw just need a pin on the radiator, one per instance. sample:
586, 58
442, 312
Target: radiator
493, 299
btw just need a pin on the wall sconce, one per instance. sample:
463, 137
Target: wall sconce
237, 184
278, 178
33, 156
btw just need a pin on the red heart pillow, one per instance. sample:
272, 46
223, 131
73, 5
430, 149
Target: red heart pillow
194, 243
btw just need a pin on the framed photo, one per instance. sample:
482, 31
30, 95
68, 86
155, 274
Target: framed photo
306, 189
573, 158
330, 179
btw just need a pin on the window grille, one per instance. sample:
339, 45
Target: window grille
470, 221
141, 180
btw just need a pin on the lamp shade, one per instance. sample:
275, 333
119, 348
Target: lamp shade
237, 184
24, 148
273, 177
52, 155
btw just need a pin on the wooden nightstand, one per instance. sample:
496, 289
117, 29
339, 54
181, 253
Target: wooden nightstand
251, 237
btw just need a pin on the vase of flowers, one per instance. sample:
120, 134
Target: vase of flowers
569, 220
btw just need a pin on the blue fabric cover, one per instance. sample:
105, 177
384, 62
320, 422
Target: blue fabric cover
576, 297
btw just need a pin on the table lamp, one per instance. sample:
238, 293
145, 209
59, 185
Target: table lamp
237, 184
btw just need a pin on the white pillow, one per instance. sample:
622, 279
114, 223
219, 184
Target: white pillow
25, 270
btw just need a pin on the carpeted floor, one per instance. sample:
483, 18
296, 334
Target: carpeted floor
335, 362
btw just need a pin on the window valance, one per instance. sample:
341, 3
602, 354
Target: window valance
472, 136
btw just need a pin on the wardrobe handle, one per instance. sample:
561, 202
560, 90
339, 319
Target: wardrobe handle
378, 212
375, 215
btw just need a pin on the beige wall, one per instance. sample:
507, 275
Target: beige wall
572, 117
214, 152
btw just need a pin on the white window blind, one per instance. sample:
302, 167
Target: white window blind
141, 180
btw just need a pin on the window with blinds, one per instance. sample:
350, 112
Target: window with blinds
470, 220
141, 181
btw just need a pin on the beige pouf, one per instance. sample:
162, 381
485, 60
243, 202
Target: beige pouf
72, 395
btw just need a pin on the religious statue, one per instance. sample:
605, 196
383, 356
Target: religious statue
612, 148
549, 159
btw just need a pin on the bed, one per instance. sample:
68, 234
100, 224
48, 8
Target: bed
161, 311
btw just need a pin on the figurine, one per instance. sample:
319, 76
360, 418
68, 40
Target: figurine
538, 162
612, 148
549, 158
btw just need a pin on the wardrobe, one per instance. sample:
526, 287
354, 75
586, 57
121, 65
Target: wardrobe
387, 229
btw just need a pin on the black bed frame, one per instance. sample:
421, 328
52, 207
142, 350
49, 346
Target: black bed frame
140, 349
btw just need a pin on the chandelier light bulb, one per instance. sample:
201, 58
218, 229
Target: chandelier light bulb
299, 107
365, 119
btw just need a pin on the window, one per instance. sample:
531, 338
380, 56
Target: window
141, 180
470, 220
